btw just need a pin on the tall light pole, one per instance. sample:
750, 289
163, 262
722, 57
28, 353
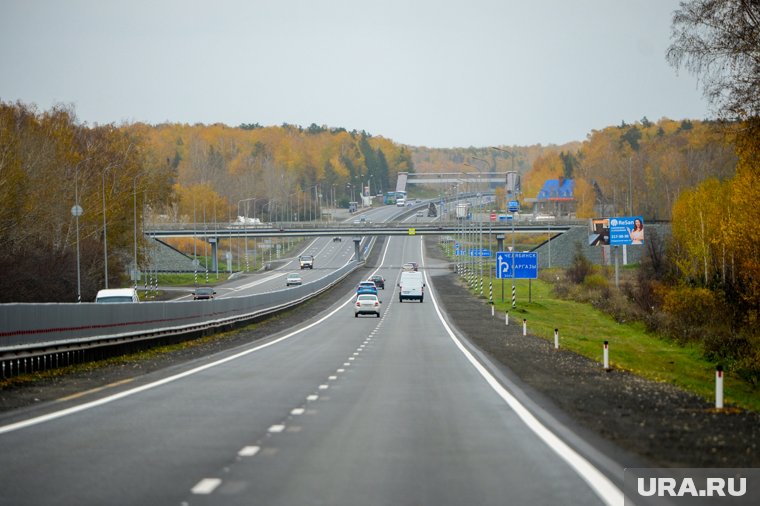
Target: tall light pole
134, 195
105, 228
514, 216
245, 225
77, 211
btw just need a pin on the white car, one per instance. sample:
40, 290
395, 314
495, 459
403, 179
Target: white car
367, 303
117, 295
293, 279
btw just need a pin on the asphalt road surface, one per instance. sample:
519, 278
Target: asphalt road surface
338, 411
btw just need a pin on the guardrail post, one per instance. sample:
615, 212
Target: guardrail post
719, 387
556, 339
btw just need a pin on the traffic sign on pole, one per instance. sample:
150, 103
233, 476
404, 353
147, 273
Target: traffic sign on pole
525, 265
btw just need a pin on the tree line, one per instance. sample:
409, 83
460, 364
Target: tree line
122, 176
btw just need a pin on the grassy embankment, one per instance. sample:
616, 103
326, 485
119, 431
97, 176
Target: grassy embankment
583, 329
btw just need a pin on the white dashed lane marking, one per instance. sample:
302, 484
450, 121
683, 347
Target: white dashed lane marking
277, 428
206, 486
324, 387
249, 451
298, 412
312, 398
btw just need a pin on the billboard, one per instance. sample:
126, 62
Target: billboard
626, 230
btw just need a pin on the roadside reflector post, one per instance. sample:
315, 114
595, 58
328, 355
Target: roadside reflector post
556, 339
606, 356
525, 327
492, 311
506, 318
719, 387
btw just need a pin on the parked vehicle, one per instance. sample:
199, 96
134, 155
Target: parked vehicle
367, 303
366, 287
293, 279
378, 280
411, 286
117, 295
204, 293
306, 261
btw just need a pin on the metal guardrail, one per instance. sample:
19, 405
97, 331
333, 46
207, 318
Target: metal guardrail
50, 333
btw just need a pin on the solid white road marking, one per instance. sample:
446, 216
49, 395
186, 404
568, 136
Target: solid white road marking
599, 483
206, 486
249, 451
127, 393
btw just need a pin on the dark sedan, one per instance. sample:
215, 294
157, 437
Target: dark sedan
379, 281
204, 293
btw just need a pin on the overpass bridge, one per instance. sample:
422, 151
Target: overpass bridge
302, 229
343, 229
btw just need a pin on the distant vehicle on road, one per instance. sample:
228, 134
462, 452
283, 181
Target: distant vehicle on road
337, 238
411, 286
116, 296
306, 261
293, 279
410, 266
367, 303
366, 287
204, 293
378, 280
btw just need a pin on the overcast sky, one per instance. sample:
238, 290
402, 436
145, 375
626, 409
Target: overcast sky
437, 73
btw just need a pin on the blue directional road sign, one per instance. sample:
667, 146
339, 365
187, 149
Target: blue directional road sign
476, 252
513, 206
526, 265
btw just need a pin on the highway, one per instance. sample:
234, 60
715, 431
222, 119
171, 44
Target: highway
328, 255
338, 411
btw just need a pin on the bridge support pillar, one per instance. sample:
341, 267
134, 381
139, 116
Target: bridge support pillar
214, 250
357, 250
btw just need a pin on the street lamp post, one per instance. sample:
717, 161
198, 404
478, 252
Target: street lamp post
134, 196
105, 228
77, 211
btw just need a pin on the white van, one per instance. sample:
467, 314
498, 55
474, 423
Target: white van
411, 286
116, 295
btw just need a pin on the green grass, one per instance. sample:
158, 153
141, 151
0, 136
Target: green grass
583, 329
187, 279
